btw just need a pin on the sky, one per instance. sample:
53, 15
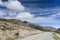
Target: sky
41, 12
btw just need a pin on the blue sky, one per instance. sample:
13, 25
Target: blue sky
42, 12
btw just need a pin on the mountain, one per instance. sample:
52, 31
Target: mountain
49, 28
13, 28
58, 30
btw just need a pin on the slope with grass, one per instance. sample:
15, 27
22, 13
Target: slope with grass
11, 29
56, 37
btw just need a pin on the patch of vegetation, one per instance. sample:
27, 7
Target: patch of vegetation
10, 39
55, 36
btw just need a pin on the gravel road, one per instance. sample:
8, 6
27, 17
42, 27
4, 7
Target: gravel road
41, 36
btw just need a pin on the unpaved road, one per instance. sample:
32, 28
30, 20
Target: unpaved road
42, 36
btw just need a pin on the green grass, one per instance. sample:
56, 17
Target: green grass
55, 36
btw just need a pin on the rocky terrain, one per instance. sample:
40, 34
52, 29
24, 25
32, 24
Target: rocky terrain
11, 29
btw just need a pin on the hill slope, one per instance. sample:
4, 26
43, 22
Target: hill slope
12, 28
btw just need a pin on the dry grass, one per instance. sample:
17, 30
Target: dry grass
55, 36
10, 39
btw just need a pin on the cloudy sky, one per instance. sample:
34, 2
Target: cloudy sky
42, 12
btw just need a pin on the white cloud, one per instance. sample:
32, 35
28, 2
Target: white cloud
10, 13
42, 19
58, 13
7, 14
2, 13
1, 3
14, 5
25, 16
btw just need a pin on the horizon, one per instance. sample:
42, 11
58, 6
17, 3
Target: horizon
41, 12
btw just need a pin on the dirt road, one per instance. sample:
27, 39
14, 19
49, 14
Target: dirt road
42, 36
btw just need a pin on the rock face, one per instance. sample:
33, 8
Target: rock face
12, 28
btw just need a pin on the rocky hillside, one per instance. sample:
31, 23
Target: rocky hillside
49, 28
12, 28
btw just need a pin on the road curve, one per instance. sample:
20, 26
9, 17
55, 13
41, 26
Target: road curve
42, 36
